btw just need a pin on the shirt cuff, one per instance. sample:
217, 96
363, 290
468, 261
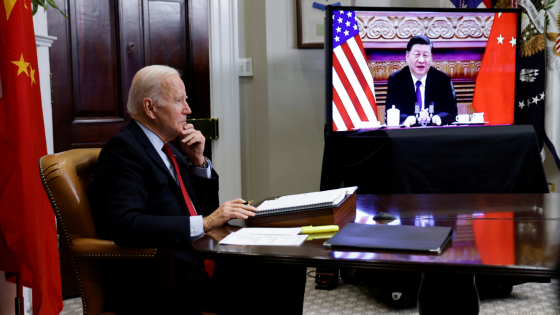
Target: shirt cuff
197, 226
204, 172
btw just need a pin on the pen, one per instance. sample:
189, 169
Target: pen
248, 202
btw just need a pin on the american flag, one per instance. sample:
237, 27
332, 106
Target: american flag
353, 94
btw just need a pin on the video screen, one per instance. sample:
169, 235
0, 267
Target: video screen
402, 67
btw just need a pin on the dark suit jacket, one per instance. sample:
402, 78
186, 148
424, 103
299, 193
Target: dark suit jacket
137, 202
401, 92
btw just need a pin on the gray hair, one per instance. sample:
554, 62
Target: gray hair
147, 82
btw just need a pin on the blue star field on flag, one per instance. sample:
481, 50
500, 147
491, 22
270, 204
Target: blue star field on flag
344, 27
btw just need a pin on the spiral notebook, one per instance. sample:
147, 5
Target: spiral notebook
301, 202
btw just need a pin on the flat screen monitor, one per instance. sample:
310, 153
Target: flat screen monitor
418, 67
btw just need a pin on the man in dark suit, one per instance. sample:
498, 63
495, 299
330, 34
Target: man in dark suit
420, 82
146, 194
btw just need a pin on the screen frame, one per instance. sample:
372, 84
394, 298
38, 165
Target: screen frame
328, 51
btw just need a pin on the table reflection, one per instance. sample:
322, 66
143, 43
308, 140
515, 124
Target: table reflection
463, 249
491, 229
520, 232
522, 205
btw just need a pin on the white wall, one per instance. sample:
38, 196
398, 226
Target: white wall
296, 104
282, 105
253, 102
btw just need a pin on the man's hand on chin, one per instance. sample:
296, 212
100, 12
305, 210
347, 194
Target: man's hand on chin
235, 209
192, 144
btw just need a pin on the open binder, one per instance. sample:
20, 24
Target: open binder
329, 207
304, 202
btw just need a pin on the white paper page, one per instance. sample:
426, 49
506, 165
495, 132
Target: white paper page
270, 231
303, 199
270, 240
333, 197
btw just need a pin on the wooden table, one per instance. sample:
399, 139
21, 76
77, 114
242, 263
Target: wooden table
493, 234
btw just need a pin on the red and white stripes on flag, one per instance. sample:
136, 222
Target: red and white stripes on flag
353, 97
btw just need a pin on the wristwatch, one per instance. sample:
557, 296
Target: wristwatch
204, 165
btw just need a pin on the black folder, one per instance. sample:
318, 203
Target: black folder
430, 239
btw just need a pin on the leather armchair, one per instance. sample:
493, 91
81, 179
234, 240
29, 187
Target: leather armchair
67, 179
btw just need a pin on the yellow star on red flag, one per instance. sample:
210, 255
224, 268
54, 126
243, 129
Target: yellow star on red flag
22, 65
500, 40
9, 5
513, 41
32, 75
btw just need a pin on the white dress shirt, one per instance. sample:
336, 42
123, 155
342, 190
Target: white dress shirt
197, 227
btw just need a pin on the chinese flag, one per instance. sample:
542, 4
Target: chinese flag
494, 92
28, 241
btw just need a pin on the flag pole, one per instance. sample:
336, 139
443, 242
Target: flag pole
19, 295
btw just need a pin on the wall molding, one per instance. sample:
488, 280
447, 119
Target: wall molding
224, 94
43, 43
44, 40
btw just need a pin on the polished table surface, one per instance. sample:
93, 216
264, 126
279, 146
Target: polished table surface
493, 234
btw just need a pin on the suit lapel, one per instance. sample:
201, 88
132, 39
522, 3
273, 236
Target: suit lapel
410, 83
150, 150
429, 87
154, 155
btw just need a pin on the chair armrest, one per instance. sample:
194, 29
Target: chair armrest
105, 249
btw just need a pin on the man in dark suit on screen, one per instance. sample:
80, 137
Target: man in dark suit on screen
420, 83
146, 193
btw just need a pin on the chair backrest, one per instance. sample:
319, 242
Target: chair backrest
67, 178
